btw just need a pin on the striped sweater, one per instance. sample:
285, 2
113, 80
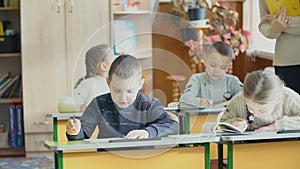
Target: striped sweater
145, 113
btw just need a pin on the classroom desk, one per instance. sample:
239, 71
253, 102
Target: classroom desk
192, 118
63, 117
164, 153
262, 151
191, 121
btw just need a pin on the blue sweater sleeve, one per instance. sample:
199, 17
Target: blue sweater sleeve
160, 124
88, 122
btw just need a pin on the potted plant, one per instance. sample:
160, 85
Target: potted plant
189, 12
197, 11
222, 28
191, 9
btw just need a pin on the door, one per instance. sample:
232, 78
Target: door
87, 24
43, 61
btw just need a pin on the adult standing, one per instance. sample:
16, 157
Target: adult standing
286, 30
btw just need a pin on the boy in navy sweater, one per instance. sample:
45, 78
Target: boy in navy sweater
125, 112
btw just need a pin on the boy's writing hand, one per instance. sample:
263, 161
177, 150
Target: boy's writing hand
241, 124
73, 126
137, 134
206, 102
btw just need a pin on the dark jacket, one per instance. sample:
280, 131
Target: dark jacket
144, 113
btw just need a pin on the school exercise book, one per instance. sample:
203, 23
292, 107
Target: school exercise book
222, 128
292, 6
227, 128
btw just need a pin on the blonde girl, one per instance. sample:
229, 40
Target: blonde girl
97, 61
265, 104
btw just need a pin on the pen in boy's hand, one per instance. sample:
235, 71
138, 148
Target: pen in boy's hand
73, 126
73, 120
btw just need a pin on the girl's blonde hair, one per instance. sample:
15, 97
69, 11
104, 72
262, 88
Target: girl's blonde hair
93, 57
261, 86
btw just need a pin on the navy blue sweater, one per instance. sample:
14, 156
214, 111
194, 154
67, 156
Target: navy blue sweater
144, 113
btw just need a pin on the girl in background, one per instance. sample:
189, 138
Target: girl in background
97, 61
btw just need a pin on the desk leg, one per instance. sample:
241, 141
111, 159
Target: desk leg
55, 129
220, 155
230, 155
207, 155
55, 138
58, 160
184, 123
187, 123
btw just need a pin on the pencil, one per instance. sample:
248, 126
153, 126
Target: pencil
73, 120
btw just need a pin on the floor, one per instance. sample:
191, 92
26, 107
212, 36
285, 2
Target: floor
214, 164
27, 163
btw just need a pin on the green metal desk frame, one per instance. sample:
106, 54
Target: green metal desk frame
59, 164
184, 129
58, 156
229, 155
254, 137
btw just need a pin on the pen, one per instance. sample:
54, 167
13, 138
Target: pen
73, 120
78, 93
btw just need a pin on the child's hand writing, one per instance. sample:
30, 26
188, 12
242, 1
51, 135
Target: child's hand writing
206, 102
73, 126
241, 124
137, 134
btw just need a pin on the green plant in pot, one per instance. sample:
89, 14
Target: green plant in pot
191, 9
223, 27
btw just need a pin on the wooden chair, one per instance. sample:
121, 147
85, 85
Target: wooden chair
175, 79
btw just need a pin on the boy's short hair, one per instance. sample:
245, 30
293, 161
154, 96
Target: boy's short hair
222, 48
125, 66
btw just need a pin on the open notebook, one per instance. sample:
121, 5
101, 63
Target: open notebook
222, 128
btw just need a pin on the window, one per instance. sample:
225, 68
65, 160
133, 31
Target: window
261, 46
